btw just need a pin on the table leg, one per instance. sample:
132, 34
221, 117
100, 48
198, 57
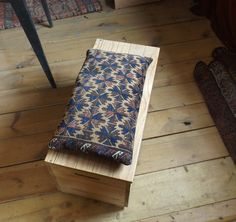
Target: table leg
47, 12
27, 24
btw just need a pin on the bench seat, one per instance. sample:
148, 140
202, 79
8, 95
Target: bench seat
90, 176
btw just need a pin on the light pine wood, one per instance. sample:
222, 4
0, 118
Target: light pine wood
25, 99
180, 149
24, 96
127, 19
90, 185
168, 191
30, 122
179, 119
22, 154
22, 128
66, 72
225, 219
170, 151
96, 167
161, 98
100, 24
170, 74
217, 212
194, 50
81, 46
22, 180
57, 52
24, 122
125, 3
24, 93
28, 99
176, 73
174, 96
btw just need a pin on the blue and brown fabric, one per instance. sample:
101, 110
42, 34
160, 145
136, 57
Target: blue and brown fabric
102, 113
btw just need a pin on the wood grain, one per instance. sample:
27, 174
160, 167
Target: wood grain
125, 4
24, 149
159, 124
187, 50
176, 73
162, 197
180, 149
122, 172
17, 129
101, 24
217, 212
31, 99
88, 177
161, 98
77, 49
30, 122
24, 180
184, 39
26, 94
92, 186
174, 96
176, 120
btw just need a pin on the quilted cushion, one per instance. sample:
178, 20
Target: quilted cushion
101, 115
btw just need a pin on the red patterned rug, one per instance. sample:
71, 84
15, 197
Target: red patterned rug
59, 9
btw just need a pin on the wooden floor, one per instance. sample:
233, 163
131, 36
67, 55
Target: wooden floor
184, 172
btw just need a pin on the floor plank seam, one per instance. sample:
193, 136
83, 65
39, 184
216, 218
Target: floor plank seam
161, 45
21, 163
144, 139
175, 107
134, 29
184, 165
176, 133
183, 42
22, 136
28, 197
65, 103
37, 108
174, 212
76, 60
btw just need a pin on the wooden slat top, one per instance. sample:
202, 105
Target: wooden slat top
97, 165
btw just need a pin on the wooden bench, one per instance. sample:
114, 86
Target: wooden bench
90, 176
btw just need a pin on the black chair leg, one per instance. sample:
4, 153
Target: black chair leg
47, 12
27, 24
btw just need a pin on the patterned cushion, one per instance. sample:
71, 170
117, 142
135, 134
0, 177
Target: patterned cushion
102, 112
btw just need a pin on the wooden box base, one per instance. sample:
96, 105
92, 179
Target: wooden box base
91, 185
93, 177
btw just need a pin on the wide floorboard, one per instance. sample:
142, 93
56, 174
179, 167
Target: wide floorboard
184, 171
